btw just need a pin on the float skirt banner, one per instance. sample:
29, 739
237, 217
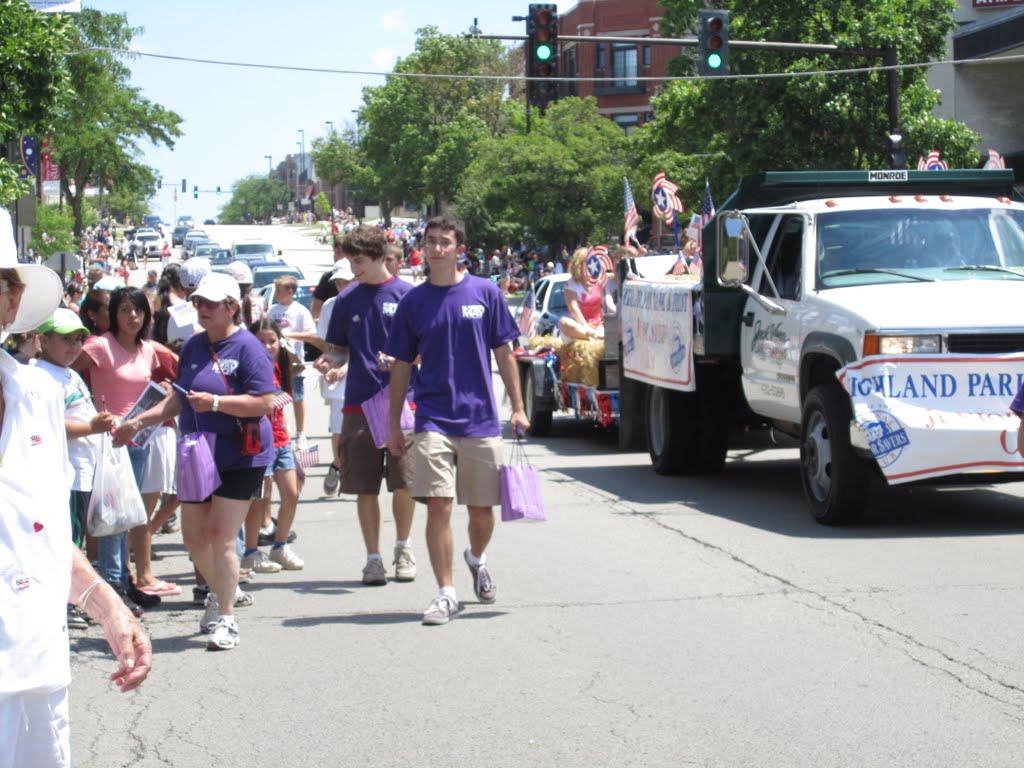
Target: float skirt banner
925, 416
657, 332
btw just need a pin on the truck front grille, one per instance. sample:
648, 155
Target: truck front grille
985, 343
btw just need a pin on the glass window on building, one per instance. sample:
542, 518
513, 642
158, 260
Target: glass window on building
624, 65
627, 123
647, 55
599, 61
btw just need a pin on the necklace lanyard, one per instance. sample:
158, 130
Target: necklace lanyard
220, 369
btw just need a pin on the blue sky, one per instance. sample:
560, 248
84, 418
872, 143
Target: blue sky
234, 117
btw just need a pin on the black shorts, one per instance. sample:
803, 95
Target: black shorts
240, 484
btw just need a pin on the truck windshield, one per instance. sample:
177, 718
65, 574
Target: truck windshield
872, 246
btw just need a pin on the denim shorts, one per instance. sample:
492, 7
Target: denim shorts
299, 388
284, 459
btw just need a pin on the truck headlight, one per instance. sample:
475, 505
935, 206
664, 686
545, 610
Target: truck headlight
881, 344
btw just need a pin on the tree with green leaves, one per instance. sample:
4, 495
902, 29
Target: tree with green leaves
728, 128
255, 197
33, 79
561, 182
99, 129
418, 135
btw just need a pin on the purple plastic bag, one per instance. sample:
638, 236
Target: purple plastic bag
196, 473
520, 489
377, 411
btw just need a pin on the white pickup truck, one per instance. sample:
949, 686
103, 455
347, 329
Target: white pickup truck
811, 279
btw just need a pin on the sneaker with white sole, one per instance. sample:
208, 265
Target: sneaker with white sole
260, 563
242, 599
484, 588
286, 558
224, 636
405, 564
374, 574
331, 480
210, 614
440, 611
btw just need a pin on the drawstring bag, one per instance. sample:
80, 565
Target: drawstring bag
116, 504
377, 411
196, 473
520, 488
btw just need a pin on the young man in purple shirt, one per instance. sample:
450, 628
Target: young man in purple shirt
452, 323
360, 322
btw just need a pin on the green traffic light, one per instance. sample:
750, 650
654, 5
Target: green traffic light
714, 61
543, 52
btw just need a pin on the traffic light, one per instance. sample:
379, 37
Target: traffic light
195, 192
542, 54
218, 189
184, 187
712, 43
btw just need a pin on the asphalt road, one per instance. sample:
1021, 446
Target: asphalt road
650, 622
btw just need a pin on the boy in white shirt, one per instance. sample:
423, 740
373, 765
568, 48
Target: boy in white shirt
60, 340
333, 390
297, 326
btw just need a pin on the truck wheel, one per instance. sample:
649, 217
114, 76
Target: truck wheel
669, 420
835, 480
540, 420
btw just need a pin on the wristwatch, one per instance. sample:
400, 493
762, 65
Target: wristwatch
216, 403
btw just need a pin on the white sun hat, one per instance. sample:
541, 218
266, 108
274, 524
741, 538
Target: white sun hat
43, 289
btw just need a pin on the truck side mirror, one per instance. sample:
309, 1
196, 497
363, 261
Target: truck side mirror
733, 249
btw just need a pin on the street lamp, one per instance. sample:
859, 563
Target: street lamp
330, 126
270, 165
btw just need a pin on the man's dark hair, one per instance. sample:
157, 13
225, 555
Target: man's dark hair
365, 240
447, 223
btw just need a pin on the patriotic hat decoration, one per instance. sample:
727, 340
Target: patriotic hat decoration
598, 265
664, 198
932, 163
995, 161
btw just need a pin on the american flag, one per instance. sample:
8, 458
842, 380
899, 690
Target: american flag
663, 195
632, 217
707, 211
528, 315
281, 399
308, 457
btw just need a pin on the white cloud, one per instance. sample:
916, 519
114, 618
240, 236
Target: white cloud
391, 20
384, 58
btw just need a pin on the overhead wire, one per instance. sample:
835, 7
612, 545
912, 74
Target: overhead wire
524, 78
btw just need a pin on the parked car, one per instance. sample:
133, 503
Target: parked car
303, 295
178, 234
186, 221
153, 220
254, 250
209, 223
206, 250
192, 239
549, 303
262, 276
219, 258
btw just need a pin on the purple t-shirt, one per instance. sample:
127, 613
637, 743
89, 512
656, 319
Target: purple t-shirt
249, 371
453, 328
361, 320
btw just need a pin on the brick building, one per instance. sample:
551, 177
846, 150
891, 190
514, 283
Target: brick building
624, 99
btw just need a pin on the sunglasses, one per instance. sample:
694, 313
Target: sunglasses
201, 303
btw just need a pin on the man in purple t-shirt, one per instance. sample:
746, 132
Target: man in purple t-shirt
452, 323
360, 322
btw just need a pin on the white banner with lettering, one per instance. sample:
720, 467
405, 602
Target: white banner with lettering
657, 332
928, 416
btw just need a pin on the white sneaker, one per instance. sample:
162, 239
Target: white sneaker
441, 610
374, 574
224, 636
260, 563
331, 480
405, 564
210, 614
286, 558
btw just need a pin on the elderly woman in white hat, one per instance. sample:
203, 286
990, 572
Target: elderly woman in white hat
40, 570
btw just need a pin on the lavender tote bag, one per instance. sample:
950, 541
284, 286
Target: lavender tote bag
520, 488
196, 473
377, 411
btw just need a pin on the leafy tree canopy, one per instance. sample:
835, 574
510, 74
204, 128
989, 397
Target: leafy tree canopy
255, 197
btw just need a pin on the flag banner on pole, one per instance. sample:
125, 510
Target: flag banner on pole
663, 195
528, 316
632, 217
308, 457
995, 161
281, 399
933, 162
924, 416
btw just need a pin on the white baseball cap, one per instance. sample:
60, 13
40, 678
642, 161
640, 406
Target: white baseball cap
240, 271
218, 286
43, 289
342, 271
